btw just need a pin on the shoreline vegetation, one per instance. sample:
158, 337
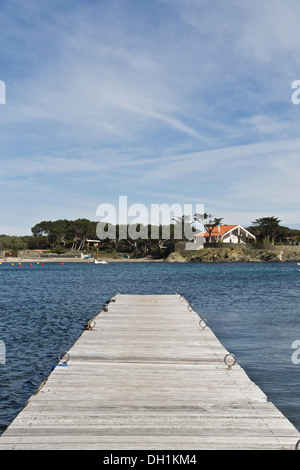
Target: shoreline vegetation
78, 241
246, 253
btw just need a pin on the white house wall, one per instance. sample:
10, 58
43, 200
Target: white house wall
231, 238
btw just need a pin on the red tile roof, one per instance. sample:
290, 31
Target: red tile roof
222, 230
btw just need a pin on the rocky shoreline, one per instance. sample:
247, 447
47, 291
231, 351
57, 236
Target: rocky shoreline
207, 255
240, 254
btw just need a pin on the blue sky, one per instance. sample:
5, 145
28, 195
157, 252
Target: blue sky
164, 101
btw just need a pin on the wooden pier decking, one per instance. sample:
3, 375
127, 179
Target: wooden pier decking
147, 376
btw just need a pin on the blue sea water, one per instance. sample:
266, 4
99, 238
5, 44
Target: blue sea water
253, 308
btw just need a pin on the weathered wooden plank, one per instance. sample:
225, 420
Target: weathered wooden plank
148, 377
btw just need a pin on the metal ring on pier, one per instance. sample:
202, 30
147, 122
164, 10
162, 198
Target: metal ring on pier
226, 360
91, 324
202, 323
190, 307
297, 446
63, 357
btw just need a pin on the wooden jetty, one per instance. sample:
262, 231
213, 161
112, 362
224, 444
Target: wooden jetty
146, 375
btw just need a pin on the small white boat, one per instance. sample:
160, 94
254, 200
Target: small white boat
100, 262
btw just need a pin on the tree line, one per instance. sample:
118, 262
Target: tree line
268, 230
68, 235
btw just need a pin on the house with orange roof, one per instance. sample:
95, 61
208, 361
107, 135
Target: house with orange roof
225, 234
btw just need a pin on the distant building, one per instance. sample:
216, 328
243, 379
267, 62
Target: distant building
226, 234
